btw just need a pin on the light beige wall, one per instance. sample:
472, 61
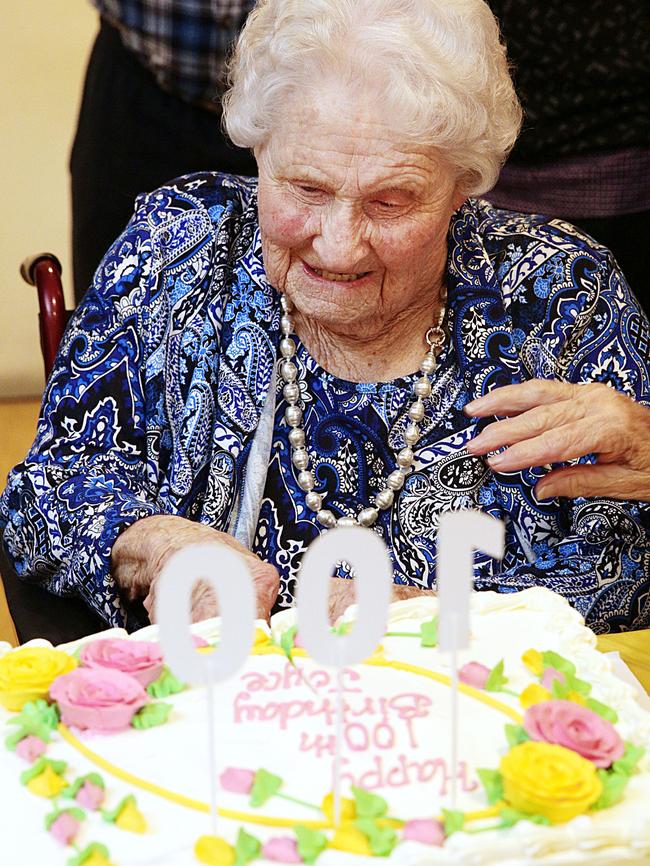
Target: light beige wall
44, 46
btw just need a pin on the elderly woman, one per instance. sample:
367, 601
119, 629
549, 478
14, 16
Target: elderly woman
257, 362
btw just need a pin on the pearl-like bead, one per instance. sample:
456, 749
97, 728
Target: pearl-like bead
287, 347
285, 325
346, 521
422, 387
395, 480
293, 415
368, 516
300, 459
291, 392
288, 371
384, 499
306, 480
326, 518
429, 364
297, 437
405, 457
411, 434
285, 303
313, 501
416, 411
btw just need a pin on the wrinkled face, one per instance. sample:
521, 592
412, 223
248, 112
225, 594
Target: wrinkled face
353, 219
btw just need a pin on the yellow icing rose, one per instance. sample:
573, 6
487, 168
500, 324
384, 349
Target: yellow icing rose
47, 784
131, 819
549, 780
214, 851
533, 661
26, 674
533, 694
352, 840
348, 809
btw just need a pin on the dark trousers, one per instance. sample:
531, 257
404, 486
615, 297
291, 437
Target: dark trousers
131, 137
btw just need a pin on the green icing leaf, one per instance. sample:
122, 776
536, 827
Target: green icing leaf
287, 641
382, 840
516, 734
310, 843
492, 781
167, 684
496, 679
429, 632
614, 785
151, 715
37, 718
453, 821
342, 629
79, 814
552, 659
37, 768
111, 815
576, 685
368, 805
509, 817
265, 786
603, 710
94, 848
72, 790
628, 763
247, 848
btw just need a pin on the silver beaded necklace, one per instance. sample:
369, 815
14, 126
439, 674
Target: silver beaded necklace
293, 416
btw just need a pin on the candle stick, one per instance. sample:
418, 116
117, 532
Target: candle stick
367, 555
460, 533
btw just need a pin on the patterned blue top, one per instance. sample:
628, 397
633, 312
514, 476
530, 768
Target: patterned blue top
163, 374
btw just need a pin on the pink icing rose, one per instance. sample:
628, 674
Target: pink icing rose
90, 796
30, 748
549, 676
98, 699
237, 781
64, 828
281, 849
424, 830
142, 659
568, 724
474, 674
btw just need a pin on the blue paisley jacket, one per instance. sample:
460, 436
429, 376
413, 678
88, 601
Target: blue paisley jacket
158, 395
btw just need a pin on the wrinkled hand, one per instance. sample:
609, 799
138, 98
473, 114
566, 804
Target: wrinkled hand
142, 551
553, 422
343, 594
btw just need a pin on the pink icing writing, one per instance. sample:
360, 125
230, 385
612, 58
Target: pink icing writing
291, 678
408, 772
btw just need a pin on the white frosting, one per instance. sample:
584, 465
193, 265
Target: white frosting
379, 702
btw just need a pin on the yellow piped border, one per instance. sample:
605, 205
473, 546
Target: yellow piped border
269, 820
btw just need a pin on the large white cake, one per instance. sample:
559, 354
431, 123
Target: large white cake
279, 715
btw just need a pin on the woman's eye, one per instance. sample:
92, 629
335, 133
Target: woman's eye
311, 191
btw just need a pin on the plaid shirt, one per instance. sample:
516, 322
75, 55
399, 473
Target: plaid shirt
183, 42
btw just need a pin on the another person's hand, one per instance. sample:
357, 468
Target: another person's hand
343, 594
551, 422
141, 552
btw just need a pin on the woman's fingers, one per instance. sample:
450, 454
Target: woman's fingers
528, 425
605, 480
512, 399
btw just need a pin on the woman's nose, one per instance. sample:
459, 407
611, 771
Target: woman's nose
340, 244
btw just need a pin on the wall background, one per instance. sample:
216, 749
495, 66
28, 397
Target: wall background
44, 48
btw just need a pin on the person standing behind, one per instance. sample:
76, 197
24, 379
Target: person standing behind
151, 111
582, 73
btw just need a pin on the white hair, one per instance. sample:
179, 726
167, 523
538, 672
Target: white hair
437, 65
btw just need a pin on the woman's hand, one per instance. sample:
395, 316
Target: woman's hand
141, 552
343, 594
552, 422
